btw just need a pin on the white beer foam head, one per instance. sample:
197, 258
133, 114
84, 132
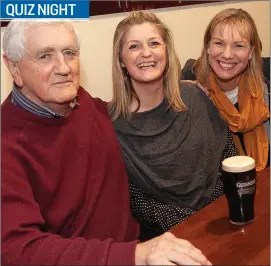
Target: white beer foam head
238, 164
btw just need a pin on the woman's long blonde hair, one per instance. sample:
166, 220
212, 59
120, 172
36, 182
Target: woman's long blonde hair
244, 23
123, 92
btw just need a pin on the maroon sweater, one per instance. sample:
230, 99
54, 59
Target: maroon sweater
64, 189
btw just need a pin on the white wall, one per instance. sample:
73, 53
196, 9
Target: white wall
187, 24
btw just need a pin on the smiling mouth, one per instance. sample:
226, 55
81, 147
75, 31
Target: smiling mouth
226, 65
146, 65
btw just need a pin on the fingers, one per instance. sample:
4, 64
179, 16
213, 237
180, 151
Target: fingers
181, 258
195, 82
192, 253
169, 250
205, 90
190, 81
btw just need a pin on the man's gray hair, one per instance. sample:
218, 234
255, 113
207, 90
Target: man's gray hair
13, 40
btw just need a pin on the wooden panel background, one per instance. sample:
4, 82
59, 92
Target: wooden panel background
102, 7
108, 7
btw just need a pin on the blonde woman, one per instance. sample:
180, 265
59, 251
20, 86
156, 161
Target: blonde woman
230, 67
171, 134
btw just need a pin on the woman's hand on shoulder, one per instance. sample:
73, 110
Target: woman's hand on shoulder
195, 82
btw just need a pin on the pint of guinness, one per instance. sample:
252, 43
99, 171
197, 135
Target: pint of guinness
239, 179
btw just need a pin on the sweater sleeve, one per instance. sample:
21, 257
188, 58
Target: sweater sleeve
24, 240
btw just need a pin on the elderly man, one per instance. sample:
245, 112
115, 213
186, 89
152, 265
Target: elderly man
64, 188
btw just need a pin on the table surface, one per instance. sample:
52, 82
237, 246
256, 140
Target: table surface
226, 244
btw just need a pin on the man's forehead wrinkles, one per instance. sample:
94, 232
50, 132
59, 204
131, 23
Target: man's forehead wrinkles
39, 49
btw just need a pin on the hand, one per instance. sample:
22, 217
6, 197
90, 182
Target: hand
195, 82
168, 250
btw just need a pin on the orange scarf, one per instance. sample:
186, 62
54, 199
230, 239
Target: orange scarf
248, 120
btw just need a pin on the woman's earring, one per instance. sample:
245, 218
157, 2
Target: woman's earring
125, 71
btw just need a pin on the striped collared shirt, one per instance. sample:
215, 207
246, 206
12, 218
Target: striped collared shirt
20, 100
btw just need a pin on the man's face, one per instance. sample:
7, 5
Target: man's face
48, 73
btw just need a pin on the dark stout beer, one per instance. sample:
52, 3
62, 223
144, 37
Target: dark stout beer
239, 178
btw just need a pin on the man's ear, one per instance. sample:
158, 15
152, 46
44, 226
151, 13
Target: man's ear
14, 70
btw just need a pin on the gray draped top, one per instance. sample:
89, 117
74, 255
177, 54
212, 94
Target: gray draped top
175, 156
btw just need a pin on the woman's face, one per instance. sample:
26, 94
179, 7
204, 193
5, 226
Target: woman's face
228, 54
144, 54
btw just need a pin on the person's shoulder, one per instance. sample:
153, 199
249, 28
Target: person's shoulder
5, 105
194, 97
5, 122
89, 100
12, 125
9, 117
85, 95
191, 88
192, 93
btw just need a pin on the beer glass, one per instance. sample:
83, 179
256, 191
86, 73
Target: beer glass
239, 179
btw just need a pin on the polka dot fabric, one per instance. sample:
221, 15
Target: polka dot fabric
160, 217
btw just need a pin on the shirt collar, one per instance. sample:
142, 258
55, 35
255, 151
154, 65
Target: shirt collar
22, 101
